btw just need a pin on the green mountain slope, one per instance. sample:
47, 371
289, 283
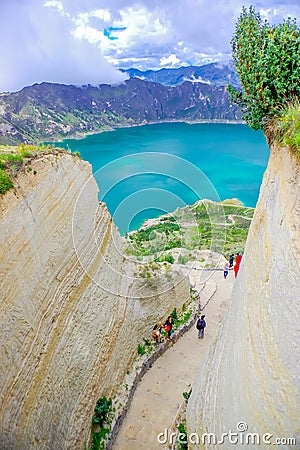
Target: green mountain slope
46, 112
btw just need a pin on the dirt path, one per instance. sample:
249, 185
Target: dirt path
159, 395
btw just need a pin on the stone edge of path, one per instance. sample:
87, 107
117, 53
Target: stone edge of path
148, 363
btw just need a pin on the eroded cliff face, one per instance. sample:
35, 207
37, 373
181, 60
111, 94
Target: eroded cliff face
72, 311
252, 371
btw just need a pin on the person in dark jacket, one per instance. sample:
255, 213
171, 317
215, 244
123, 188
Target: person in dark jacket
201, 324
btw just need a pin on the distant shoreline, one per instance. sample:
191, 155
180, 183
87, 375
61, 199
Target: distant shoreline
78, 137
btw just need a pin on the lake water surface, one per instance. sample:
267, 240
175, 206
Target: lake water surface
145, 171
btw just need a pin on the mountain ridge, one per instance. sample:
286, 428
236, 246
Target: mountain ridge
48, 112
216, 74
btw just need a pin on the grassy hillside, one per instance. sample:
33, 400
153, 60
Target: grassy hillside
18, 158
218, 227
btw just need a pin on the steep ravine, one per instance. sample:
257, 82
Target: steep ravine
252, 371
72, 310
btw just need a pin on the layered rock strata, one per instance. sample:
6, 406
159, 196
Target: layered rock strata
251, 378
72, 309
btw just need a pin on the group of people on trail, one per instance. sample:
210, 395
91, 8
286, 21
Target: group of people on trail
236, 266
168, 326
201, 323
157, 330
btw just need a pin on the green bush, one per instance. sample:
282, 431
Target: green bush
169, 258
99, 438
5, 182
174, 315
148, 346
102, 411
102, 417
182, 259
186, 395
182, 437
13, 157
147, 342
141, 349
268, 65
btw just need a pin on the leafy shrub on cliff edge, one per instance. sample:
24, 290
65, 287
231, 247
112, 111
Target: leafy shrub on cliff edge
268, 65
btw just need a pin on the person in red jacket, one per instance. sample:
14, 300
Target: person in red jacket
236, 269
238, 260
168, 326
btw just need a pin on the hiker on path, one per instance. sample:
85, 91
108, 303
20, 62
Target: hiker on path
231, 257
226, 269
238, 260
156, 334
168, 326
236, 269
201, 324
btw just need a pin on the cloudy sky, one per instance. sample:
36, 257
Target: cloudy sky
86, 41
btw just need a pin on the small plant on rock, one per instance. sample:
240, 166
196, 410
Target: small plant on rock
186, 395
182, 437
141, 349
103, 414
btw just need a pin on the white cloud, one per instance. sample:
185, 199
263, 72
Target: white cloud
141, 25
58, 5
102, 14
54, 4
136, 27
88, 33
79, 42
193, 79
40, 47
170, 60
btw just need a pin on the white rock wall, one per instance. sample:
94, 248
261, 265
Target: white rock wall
72, 312
252, 371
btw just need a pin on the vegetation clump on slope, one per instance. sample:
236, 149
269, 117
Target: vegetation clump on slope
13, 159
286, 126
192, 228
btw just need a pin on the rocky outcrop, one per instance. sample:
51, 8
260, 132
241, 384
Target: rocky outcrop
72, 309
251, 375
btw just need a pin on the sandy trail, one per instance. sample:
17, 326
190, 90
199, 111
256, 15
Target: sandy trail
159, 395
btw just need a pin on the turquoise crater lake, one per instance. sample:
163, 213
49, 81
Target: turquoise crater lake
167, 165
